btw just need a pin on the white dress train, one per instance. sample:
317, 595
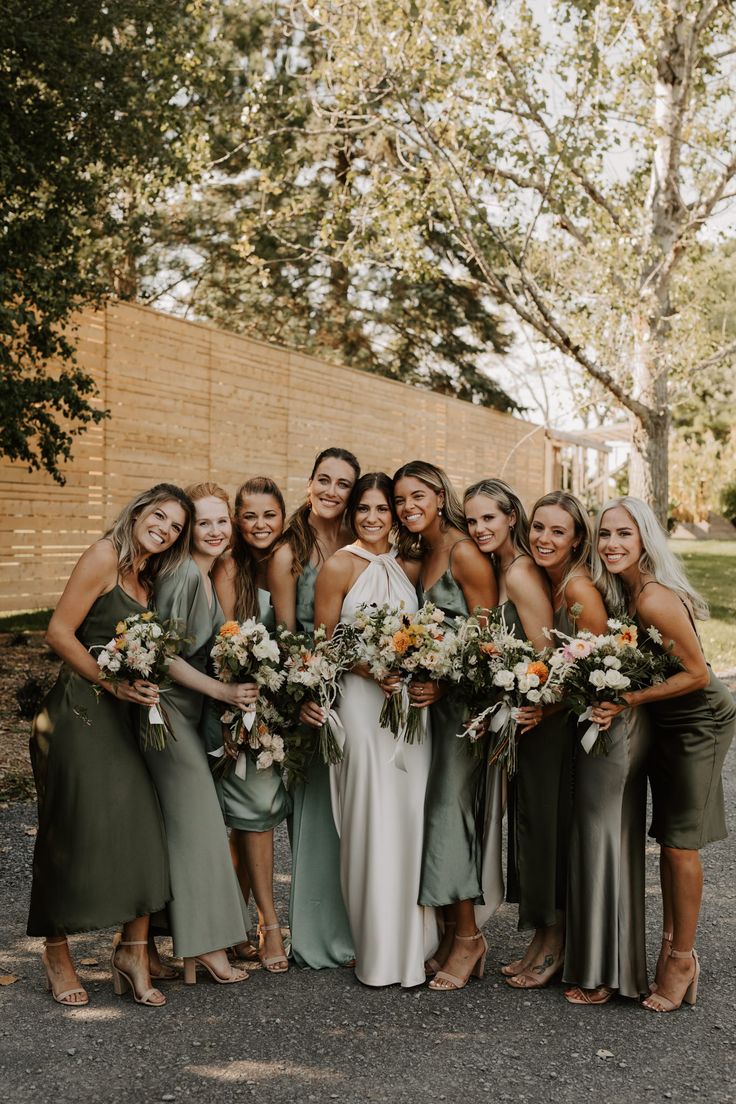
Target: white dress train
378, 804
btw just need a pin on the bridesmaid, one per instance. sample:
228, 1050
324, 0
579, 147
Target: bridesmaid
457, 579
100, 854
605, 949
207, 912
693, 719
252, 806
320, 932
539, 794
377, 797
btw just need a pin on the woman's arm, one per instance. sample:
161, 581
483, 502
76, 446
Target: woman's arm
223, 580
333, 582
282, 585
660, 607
474, 574
593, 617
527, 588
236, 694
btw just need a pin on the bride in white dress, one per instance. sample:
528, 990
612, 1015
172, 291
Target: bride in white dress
378, 789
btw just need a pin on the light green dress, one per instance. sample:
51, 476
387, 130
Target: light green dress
540, 809
100, 856
320, 932
207, 911
258, 802
451, 856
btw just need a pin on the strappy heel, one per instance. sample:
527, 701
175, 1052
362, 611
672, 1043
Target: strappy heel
477, 968
690, 996
432, 966
664, 954
270, 962
120, 979
62, 997
190, 972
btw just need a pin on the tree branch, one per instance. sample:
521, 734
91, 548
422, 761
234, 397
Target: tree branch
714, 358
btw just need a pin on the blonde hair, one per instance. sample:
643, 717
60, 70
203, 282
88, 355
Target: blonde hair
657, 559
452, 512
581, 555
243, 555
509, 503
120, 534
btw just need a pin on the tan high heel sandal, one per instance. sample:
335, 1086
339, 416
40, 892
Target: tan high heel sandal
663, 954
271, 961
63, 996
190, 972
119, 976
477, 969
690, 995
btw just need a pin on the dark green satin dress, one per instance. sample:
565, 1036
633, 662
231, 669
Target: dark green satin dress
451, 856
540, 810
605, 922
207, 911
320, 931
258, 802
100, 857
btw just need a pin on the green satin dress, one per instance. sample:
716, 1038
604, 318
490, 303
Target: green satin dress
320, 931
100, 857
605, 922
451, 855
691, 736
258, 802
540, 809
207, 911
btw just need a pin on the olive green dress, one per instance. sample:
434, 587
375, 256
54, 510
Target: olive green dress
540, 809
320, 932
451, 856
691, 736
258, 802
605, 933
100, 856
207, 911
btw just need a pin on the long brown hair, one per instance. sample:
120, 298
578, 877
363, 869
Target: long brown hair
243, 554
411, 545
299, 533
508, 503
581, 553
120, 534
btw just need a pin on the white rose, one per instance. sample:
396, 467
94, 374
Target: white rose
612, 661
504, 679
156, 631
264, 760
616, 680
534, 696
598, 679
438, 616
278, 755
103, 660
266, 740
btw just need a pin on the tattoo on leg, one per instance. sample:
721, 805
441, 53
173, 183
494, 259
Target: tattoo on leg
544, 965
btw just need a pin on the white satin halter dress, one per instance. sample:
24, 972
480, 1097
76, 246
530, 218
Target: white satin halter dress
378, 795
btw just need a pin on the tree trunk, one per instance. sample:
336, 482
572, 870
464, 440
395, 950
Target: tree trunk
648, 475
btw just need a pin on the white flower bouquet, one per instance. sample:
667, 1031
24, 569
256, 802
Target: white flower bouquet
141, 649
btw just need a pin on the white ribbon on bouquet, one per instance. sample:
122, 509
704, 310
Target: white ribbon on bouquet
590, 735
241, 763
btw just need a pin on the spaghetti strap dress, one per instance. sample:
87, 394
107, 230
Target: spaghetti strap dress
605, 921
100, 857
207, 911
258, 802
378, 792
320, 931
691, 736
540, 809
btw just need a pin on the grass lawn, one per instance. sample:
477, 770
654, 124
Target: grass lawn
711, 565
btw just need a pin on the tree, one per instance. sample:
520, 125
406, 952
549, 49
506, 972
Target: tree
95, 100
572, 165
247, 252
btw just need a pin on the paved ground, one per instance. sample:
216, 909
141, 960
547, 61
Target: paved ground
322, 1036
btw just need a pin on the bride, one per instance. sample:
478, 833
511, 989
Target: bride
378, 789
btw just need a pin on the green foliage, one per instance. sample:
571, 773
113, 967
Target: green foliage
728, 502
95, 99
711, 568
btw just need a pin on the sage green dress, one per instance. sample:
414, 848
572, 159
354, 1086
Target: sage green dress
451, 855
100, 856
207, 911
605, 933
540, 809
320, 931
691, 736
258, 802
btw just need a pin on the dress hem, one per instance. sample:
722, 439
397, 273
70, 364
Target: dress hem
98, 927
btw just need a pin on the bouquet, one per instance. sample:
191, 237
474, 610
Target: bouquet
141, 649
418, 645
312, 669
246, 653
499, 664
600, 668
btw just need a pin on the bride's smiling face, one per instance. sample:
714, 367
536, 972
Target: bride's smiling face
373, 519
